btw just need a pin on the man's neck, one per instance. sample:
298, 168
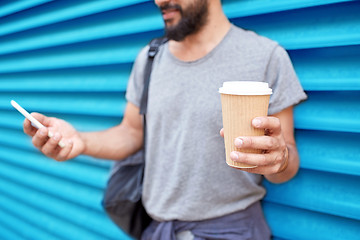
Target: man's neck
199, 44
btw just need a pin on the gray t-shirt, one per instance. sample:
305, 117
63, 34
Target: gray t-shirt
186, 177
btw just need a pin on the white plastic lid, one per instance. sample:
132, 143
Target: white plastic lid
245, 88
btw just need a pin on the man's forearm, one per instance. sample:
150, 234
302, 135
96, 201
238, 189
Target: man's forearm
115, 143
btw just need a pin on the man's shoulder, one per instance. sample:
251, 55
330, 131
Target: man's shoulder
250, 38
143, 53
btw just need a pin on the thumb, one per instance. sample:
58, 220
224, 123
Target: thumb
44, 120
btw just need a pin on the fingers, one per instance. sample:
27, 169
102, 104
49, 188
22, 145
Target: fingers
29, 129
272, 124
53, 146
47, 139
260, 142
265, 163
271, 158
46, 121
64, 152
222, 132
252, 158
40, 137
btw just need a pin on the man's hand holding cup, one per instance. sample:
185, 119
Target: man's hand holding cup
273, 155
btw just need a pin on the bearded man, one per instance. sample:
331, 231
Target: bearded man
189, 191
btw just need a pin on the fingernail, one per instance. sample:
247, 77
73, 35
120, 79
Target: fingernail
234, 156
238, 142
62, 144
50, 134
57, 136
256, 122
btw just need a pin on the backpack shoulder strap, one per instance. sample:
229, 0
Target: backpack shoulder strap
153, 50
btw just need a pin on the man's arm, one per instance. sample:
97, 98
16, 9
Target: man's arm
115, 143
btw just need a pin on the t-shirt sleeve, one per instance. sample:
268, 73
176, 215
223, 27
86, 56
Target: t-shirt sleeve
281, 76
136, 80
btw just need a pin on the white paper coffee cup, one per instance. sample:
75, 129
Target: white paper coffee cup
241, 102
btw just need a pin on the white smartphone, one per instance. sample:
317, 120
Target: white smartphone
33, 120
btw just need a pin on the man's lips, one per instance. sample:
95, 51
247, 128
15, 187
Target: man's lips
169, 13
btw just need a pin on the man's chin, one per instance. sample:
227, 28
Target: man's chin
171, 23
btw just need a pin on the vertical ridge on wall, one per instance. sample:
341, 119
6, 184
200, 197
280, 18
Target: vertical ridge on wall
72, 59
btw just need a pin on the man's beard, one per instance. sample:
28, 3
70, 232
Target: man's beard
192, 19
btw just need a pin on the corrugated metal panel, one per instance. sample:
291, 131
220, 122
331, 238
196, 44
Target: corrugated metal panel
72, 59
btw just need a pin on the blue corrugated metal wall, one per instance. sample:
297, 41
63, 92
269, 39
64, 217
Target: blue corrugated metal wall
72, 59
